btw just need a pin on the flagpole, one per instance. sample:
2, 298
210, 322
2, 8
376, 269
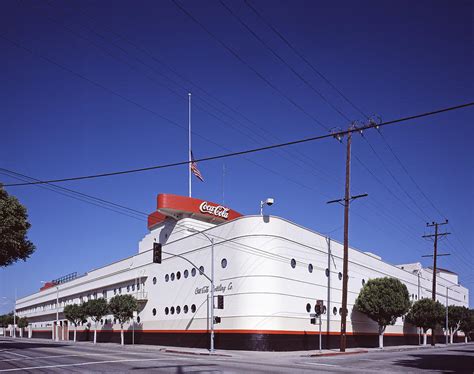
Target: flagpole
189, 139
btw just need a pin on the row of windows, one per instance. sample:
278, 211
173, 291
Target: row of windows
177, 310
334, 310
185, 274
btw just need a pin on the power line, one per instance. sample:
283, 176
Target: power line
76, 195
300, 55
239, 58
254, 150
282, 60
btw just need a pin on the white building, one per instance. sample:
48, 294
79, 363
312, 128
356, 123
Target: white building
270, 271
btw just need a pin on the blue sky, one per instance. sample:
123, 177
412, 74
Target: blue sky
103, 110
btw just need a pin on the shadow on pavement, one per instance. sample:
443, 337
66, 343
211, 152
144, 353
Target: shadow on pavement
179, 368
447, 363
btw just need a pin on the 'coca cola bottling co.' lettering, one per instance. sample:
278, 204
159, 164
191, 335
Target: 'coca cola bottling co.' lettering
215, 210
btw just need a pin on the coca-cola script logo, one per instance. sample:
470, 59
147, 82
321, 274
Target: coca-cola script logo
215, 210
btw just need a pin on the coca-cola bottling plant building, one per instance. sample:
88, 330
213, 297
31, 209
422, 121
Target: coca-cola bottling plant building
270, 272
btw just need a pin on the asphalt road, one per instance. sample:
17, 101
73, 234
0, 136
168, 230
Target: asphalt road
18, 356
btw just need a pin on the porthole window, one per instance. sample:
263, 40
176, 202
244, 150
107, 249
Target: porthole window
186, 273
339, 275
340, 311
178, 309
201, 270
412, 296
167, 278
138, 286
172, 276
167, 311
308, 307
154, 280
178, 275
416, 297
193, 308
310, 268
334, 310
154, 311
324, 309
293, 263
133, 287
138, 319
172, 310
193, 272
327, 272
185, 309
363, 282
128, 288
224, 263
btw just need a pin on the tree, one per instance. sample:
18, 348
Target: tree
426, 314
22, 323
383, 300
14, 244
6, 320
96, 310
456, 314
467, 324
75, 314
122, 307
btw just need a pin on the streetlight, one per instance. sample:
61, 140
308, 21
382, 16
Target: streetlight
447, 321
212, 282
269, 201
57, 310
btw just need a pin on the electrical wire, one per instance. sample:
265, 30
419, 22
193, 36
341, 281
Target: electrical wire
254, 150
244, 62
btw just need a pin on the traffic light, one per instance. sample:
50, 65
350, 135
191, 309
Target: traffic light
318, 309
220, 301
217, 319
157, 253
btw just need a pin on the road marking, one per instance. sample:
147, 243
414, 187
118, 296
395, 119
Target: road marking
55, 356
83, 364
318, 364
17, 354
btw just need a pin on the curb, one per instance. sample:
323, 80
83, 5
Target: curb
194, 353
328, 354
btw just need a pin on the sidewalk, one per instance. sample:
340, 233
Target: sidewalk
230, 353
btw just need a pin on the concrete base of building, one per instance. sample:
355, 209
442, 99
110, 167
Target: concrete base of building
251, 341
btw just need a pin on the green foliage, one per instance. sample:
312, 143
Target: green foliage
75, 313
22, 322
122, 307
467, 324
14, 244
427, 314
456, 314
6, 319
383, 300
96, 309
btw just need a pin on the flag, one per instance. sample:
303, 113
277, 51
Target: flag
194, 169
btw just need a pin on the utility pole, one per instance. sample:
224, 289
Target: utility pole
435, 256
346, 201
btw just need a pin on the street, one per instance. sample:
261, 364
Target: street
45, 356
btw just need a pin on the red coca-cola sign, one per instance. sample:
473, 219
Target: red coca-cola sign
215, 210
178, 207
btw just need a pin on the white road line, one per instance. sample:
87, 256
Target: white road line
318, 364
57, 356
83, 364
17, 354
